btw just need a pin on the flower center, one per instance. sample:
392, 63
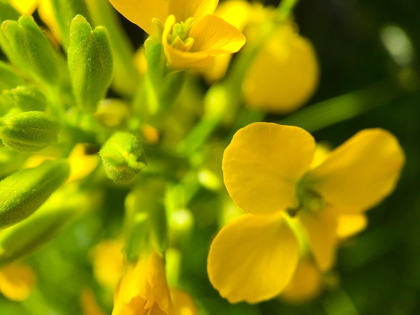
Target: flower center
308, 200
179, 38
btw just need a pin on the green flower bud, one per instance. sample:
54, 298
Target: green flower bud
90, 63
29, 49
125, 74
64, 13
8, 78
27, 98
51, 218
29, 131
22, 193
123, 157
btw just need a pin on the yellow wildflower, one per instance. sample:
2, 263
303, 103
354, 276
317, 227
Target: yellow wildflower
267, 172
108, 262
192, 35
17, 281
284, 74
143, 289
89, 304
305, 285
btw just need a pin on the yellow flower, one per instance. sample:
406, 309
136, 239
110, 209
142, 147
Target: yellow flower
305, 285
89, 304
267, 172
284, 74
17, 281
192, 35
45, 11
108, 262
143, 289
236, 13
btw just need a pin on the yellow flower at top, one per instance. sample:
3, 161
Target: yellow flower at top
268, 173
191, 35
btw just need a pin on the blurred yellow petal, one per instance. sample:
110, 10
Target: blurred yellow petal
143, 290
263, 163
321, 153
305, 284
112, 113
81, 163
349, 225
46, 14
107, 259
196, 9
142, 12
215, 36
17, 281
321, 229
183, 303
235, 13
89, 304
359, 173
25, 6
140, 60
284, 74
253, 258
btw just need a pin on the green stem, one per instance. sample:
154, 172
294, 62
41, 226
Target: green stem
285, 8
330, 112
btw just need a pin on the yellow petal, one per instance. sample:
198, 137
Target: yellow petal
46, 14
215, 36
89, 304
305, 284
253, 258
361, 172
17, 281
183, 303
142, 12
349, 225
25, 6
81, 163
283, 75
196, 9
143, 289
321, 229
263, 163
108, 261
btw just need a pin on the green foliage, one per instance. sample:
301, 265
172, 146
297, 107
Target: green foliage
29, 131
29, 49
123, 157
7, 12
29, 235
22, 193
8, 78
90, 63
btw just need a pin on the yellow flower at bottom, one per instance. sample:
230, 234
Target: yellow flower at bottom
143, 290
305, 285
284, 74
17, 281
192, 35
293, 203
